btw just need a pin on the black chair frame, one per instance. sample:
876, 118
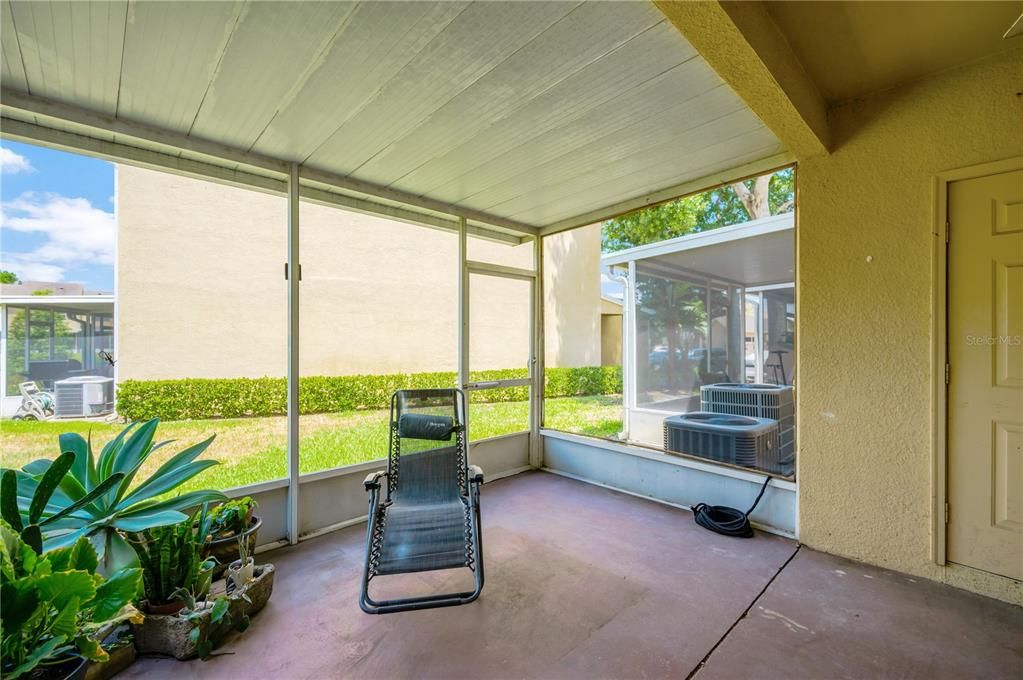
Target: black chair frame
470, 479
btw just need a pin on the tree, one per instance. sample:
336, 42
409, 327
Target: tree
726, 205
8, 277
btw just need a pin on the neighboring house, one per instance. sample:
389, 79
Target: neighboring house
51, 331
201, 289
55, 288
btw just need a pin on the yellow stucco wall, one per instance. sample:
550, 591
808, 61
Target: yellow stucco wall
865, 259
201, 290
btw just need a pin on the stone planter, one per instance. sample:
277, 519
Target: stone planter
162, 634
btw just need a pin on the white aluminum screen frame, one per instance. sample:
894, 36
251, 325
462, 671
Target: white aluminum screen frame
534, 380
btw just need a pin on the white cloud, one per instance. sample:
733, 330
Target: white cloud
77, 234
12, 163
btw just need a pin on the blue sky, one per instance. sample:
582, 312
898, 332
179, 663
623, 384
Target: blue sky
58, 216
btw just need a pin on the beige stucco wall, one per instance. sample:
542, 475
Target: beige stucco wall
572, 303
865, 325
201, 291
611, 340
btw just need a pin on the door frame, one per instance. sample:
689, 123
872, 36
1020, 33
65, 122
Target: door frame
466, 269
939, 341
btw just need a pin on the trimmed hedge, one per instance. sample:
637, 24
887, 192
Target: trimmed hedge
202, 398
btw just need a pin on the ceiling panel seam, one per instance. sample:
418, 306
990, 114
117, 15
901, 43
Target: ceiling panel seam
376, 93
699, 180
564, 206
315, 63
120, 65
558, 125
427, 116
651, 151
241, 11
707, 168
539, 94
602, 140
17, 39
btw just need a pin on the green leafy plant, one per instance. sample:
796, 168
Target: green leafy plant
98, 498
232, 518
240, 397
55, 604
171, 557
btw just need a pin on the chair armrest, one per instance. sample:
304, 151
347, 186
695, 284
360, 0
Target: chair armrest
372, 480
476, 474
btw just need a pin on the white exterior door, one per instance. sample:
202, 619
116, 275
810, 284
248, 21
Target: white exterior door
985, 351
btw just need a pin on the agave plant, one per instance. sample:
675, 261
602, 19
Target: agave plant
115, 504
29, 527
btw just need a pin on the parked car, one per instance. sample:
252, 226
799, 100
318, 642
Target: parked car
718, 357
659, 357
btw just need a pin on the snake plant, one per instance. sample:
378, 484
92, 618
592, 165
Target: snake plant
173, 567
99, 498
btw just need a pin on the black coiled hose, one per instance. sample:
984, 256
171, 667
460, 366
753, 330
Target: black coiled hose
727, 521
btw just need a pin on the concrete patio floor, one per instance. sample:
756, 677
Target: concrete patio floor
583, 582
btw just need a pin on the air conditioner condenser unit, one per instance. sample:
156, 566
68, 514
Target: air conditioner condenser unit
737, 440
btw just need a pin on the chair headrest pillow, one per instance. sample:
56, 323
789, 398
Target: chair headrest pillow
422, 426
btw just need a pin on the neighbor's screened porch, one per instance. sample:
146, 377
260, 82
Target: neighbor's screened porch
50, 338
707, 308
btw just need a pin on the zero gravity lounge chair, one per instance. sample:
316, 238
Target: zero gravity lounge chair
429, 516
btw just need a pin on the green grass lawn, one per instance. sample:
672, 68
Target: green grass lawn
253, 449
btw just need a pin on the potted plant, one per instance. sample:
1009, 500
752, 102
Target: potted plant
234, 531
99, 497
176, 580
55, 606
173, 570
182, 619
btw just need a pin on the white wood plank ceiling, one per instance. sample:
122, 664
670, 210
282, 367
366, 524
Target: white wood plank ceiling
529, 112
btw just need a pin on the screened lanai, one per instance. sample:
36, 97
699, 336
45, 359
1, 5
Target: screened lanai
499, 123
500, 126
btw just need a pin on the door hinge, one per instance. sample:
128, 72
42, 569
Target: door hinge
286, 272
947, 229
947, 372
946, 513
